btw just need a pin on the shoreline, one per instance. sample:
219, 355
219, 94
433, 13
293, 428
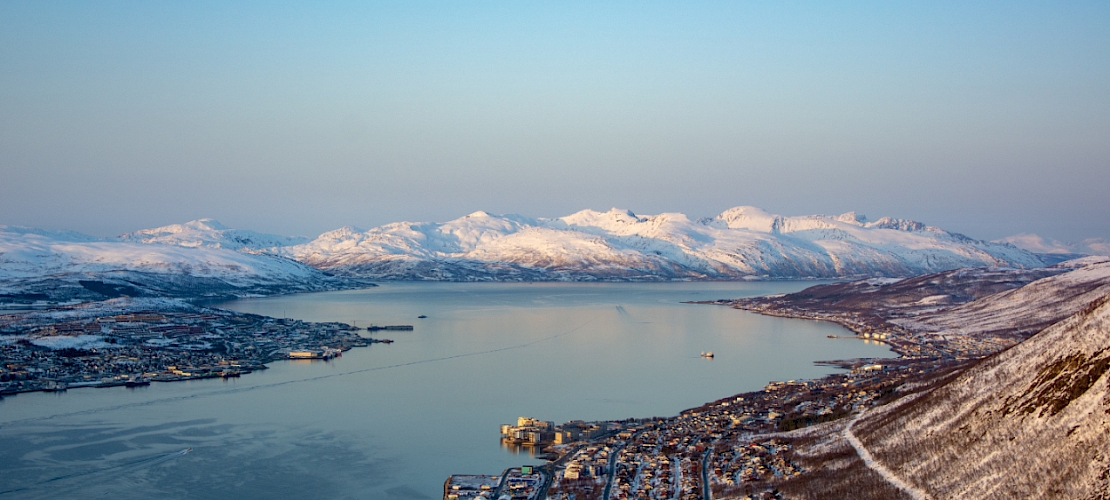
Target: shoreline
134, 342
736, 423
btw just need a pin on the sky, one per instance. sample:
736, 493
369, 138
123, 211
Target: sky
986, 118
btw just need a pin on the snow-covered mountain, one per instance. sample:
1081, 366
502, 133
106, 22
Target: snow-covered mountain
65, 265
1052, 251
203, 257
210, 233
741, 243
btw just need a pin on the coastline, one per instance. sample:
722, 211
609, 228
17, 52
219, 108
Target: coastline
723, 433
134, 342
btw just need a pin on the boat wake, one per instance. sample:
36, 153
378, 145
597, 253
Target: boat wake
132, 466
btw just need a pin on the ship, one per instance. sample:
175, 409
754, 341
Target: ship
137, 382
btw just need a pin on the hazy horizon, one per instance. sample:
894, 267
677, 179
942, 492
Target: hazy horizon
988, 119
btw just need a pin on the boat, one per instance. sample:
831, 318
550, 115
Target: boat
53, 386
707, 355
422, 316
137, 382
230, 374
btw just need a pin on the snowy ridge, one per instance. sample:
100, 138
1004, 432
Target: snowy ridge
1038, 244
210, 233
203, 257
65, 265
1024, 310
1029, 422
740, 243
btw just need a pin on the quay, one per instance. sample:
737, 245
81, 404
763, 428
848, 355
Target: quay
373, 328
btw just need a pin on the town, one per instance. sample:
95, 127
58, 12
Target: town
135, 342
732, 447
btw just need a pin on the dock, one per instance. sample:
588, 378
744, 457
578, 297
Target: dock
373, 328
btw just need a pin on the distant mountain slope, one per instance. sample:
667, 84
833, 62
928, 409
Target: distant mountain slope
1022, 311
63, 265
1030, 422
203, 257
1052, 251
212, 234
741, 243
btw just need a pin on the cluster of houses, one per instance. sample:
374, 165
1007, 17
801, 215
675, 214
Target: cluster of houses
583, 476
720, 446
738, 462
53, 351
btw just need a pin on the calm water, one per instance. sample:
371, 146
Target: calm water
393, 421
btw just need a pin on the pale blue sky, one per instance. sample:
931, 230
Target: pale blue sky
985, 118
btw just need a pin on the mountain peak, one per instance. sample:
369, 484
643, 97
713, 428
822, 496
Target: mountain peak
751, 218
209, 233
620, 213
852, 218
206, 224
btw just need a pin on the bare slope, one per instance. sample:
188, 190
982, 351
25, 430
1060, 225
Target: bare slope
1029, 422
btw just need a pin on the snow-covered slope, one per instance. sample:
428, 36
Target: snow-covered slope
204, 257
1022, 311
1038, 244
212, 234
1030, 422
64, 265
743, 242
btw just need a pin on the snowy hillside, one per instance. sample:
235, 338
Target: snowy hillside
203, 257
743, 242
1052, 251
65, 265
1038, 244
1022, 311
1029, 422
212, 234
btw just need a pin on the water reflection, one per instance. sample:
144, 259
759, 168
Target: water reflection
519, 448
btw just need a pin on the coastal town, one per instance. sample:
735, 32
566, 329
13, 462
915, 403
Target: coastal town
735, 447
731, 447
135, 342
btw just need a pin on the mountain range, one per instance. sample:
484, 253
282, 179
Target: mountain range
206, 258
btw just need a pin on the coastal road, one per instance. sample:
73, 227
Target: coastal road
549, 469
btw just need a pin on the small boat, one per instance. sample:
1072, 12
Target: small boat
707, 355
422, 316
